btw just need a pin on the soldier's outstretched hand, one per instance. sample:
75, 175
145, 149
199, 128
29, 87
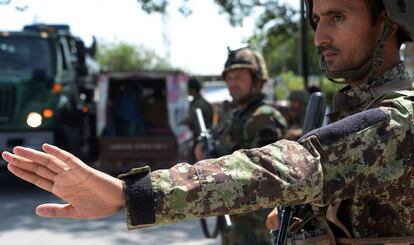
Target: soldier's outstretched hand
88, 192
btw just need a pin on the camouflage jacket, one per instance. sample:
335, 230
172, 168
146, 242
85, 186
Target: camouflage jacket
256, 125
365, 159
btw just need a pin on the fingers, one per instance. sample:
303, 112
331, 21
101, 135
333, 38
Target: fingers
29, 166
37, 180
64, 156
41, 158
53, 210
272, 221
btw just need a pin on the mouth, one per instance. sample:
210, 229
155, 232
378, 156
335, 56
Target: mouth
329, 55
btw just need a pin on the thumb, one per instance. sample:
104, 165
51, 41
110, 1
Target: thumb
54, 210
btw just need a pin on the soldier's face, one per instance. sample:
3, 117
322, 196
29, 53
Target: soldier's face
239, 82
345, 33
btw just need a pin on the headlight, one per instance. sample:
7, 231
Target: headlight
34, 119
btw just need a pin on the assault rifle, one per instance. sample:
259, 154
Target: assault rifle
315, 113
209, 151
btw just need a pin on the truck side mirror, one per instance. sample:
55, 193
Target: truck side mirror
81, 68
92, 49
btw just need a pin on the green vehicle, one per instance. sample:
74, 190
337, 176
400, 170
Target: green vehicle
47, 83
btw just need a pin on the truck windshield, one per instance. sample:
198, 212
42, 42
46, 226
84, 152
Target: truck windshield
23, 54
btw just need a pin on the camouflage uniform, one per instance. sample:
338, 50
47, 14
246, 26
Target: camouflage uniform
365, 160
256, 125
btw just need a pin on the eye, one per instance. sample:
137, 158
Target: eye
315, 20
337, 18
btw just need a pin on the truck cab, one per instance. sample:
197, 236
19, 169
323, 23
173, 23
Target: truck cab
44, 94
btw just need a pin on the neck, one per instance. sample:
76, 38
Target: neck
243, 105
391, 58
390, 62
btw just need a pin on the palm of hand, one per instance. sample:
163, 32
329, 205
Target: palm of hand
88, 192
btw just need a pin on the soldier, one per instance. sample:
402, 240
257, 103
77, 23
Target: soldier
252, 124
194, 88
362, 165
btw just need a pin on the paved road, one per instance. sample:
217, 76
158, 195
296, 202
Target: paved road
20, 226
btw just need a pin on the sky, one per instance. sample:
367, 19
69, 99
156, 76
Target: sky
198, 43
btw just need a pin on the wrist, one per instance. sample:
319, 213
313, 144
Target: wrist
121, 195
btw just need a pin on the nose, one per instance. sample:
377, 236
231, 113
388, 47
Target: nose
230, 83
322, 36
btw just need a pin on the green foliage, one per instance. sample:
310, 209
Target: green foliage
277, 35
122, 56
288, 81
277, 30
150, 6
329, 88
236, 10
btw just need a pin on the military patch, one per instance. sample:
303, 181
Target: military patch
139, 197
352, 124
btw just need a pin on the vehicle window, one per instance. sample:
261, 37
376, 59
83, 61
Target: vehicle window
23, 54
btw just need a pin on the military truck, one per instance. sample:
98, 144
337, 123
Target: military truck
142, 120
47, 83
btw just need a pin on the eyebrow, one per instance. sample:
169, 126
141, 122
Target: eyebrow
333, 11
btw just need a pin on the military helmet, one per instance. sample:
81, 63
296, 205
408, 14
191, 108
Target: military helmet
246, 58
399, 11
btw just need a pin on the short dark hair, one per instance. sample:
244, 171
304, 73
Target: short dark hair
377, 7
194, 84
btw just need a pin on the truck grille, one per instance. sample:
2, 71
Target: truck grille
7, 103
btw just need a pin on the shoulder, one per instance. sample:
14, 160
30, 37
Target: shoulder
201, 101
402, 100
268, 111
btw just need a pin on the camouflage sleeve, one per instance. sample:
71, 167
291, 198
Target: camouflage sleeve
265, 126
362, 153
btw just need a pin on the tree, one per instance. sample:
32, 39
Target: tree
279, 43
122, 56
277, 30
236, 10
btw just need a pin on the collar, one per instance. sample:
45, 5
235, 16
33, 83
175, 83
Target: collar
253, 104
352, 100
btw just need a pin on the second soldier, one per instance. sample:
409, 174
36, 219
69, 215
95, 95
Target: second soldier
252, 124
